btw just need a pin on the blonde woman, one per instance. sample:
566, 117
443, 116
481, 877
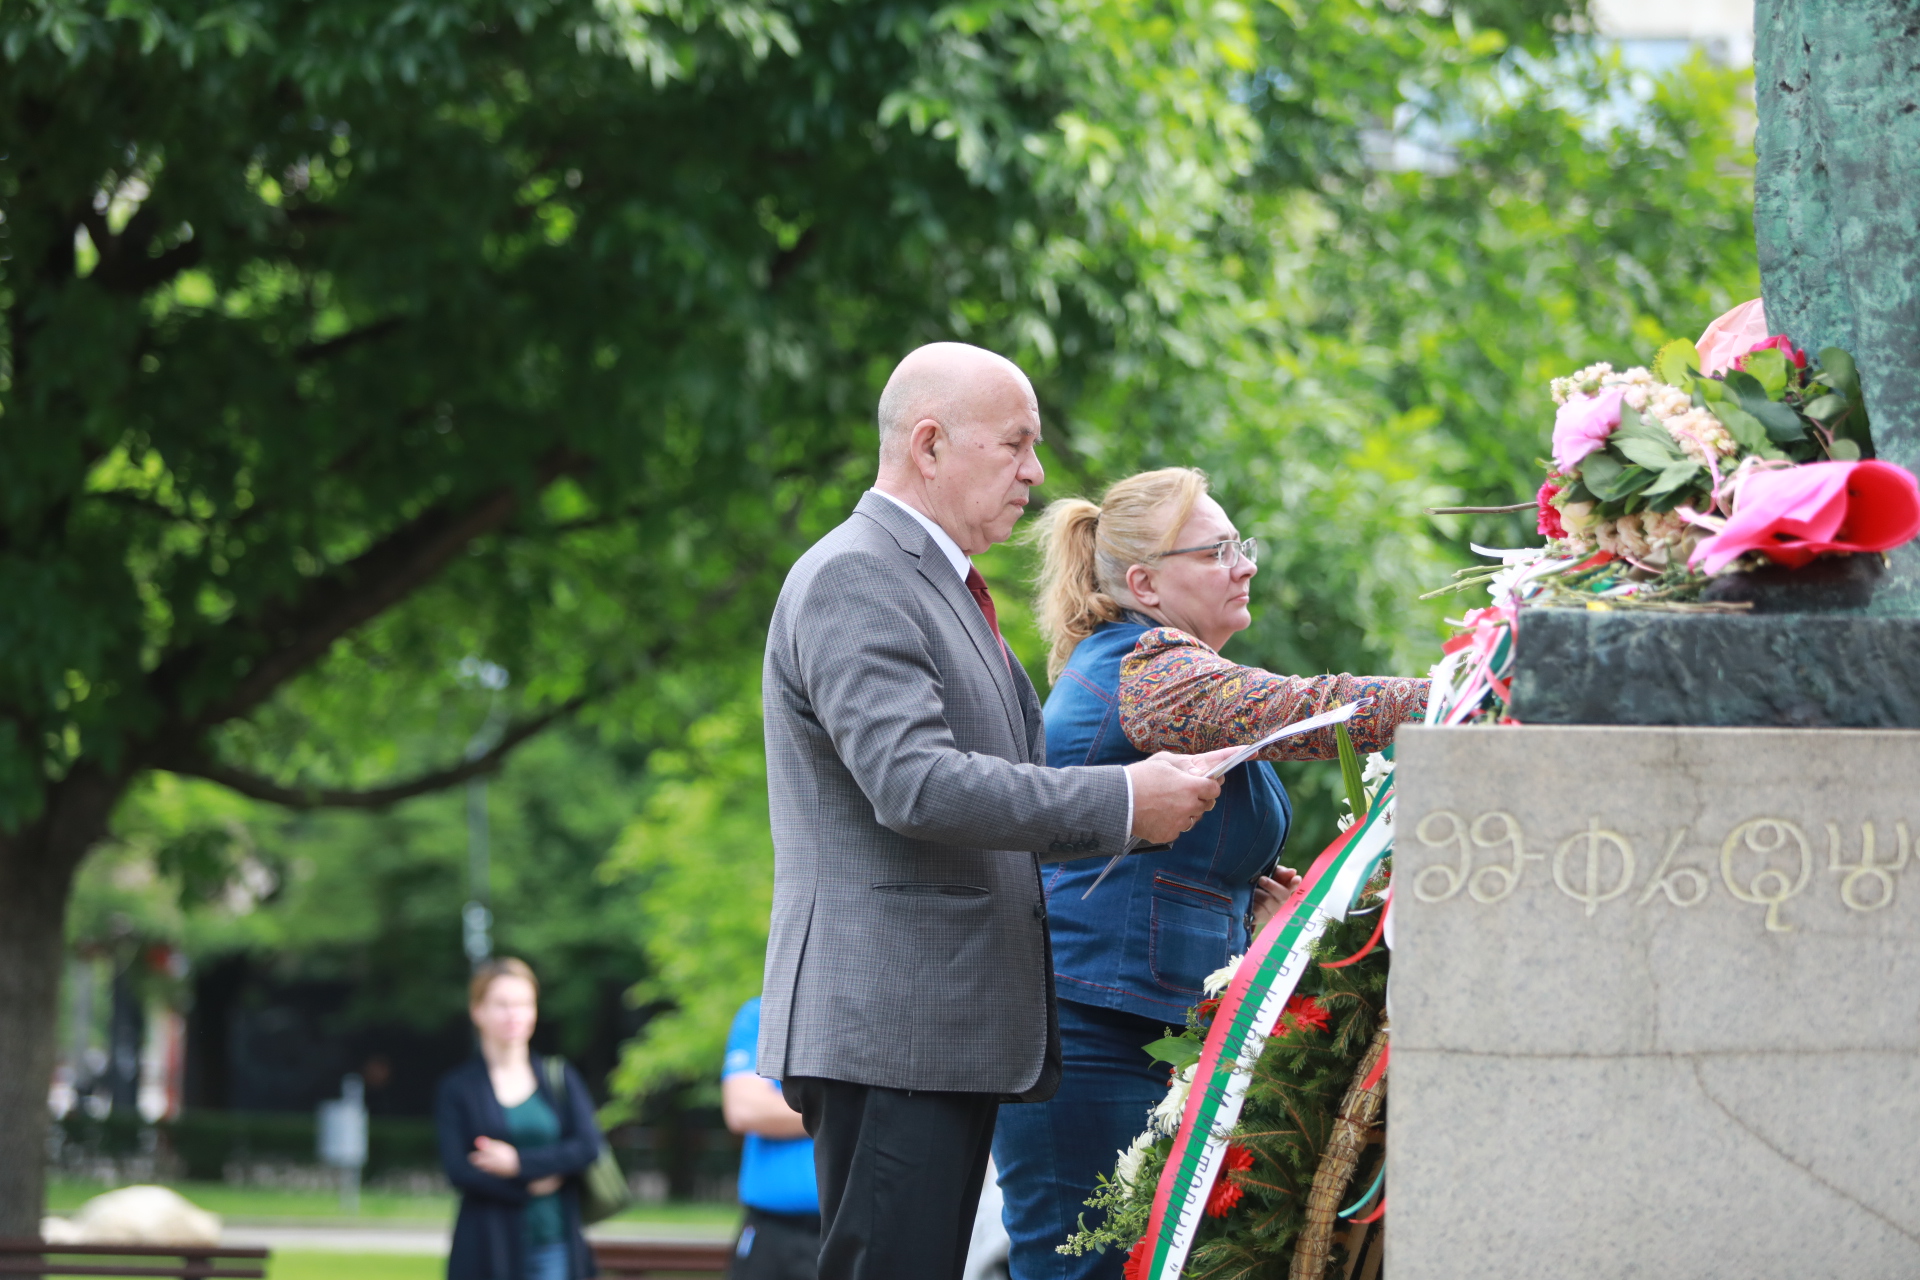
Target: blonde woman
510, 1146
1138, 595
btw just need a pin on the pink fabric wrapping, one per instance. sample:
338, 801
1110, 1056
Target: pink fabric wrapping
1796, 513
1732, 336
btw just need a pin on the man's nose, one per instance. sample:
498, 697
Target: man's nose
1031, 472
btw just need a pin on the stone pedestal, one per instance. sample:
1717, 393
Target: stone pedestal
1576, 666
1656, 1004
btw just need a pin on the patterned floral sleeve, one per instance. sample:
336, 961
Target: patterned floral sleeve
1178, 695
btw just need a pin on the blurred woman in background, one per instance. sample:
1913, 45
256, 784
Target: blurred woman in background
1137, 597
511, 1142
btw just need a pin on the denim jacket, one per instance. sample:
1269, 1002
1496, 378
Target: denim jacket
1164, 920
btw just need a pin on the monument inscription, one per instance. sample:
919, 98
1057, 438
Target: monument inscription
1656, 1003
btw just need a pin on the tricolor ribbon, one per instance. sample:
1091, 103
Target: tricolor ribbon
1249, 1010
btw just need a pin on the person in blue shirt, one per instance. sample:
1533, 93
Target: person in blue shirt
780, 1234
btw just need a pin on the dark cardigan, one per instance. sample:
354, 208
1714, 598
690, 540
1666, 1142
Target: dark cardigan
487, 1239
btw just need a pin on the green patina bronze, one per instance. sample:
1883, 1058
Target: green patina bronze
1837, 208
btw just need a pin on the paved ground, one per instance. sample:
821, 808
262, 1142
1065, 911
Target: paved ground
355, 1238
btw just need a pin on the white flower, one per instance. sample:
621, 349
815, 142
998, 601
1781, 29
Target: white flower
1217, 981
1378, 767
1127, 1170
1166, 1116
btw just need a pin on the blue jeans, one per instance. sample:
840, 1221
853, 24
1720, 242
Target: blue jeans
549, 1262
1049, 1153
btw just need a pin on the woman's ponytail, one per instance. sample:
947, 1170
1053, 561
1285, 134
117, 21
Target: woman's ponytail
1085, 552
1071, 604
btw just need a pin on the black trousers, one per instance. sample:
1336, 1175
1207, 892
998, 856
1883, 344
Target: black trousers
899, 1176
776, 1246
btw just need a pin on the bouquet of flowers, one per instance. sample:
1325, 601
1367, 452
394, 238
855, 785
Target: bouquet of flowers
1723, 455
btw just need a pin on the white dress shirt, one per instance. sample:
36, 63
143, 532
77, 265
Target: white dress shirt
961, 565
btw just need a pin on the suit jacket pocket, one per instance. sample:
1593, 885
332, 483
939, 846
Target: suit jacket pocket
917, 888
1189, 935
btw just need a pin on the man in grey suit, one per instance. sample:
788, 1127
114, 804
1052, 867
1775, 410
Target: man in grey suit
909, 987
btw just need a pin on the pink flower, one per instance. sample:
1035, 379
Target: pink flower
1796, 513
1583, 425
1549, 521
1778, 342
1730, 335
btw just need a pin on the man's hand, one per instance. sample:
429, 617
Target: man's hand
1170, 792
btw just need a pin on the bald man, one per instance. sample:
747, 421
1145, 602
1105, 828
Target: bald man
909, 987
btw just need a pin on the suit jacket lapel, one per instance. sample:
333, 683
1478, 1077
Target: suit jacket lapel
936, 570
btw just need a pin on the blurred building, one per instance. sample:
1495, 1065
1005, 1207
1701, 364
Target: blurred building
1655, 35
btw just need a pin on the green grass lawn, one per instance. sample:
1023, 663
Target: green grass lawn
242, 1204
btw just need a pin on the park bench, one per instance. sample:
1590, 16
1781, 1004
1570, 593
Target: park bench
189, 1262
646, 1259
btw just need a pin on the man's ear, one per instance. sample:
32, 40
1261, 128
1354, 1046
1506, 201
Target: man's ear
1140, 582
924, 442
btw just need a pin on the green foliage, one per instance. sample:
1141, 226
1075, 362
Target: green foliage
699, 861
354, 341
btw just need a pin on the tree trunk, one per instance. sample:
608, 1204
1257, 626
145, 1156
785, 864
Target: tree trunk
37, 865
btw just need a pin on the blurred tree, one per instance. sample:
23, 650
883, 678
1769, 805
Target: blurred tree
346, 345
373, 899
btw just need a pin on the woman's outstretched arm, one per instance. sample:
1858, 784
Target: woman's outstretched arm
1178, 695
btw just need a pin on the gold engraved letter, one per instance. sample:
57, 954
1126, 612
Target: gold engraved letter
1450, 879
1669, 883
1493, 883
1767, 888
1588, 889
1881, 873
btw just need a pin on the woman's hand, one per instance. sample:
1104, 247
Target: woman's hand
1270, 894
545, 1186
490, 1155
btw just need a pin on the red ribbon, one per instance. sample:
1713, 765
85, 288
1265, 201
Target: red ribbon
1379, 1068
1372, 942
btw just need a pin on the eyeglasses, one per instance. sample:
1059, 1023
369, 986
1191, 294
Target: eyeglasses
1226, 553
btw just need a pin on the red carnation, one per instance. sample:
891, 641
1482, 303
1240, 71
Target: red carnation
1226, 1192
1301, 1011
1549, 522
1137, 1260
1207, 1008
1778, 342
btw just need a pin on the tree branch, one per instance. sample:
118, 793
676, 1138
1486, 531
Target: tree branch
256, 787
333, 346
301, 632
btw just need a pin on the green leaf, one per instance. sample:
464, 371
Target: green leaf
1743, 426
1844, 450
1599, 471
1350, 770
1769, 367
1648, 453
1619, 480
1676, 362
1181, 1051
1675, 477
1782, 424
1826, 409
1839, 372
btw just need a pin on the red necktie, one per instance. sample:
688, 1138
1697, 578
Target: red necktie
984, 598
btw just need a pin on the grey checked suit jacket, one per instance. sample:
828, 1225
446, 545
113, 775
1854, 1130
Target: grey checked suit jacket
906, 779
